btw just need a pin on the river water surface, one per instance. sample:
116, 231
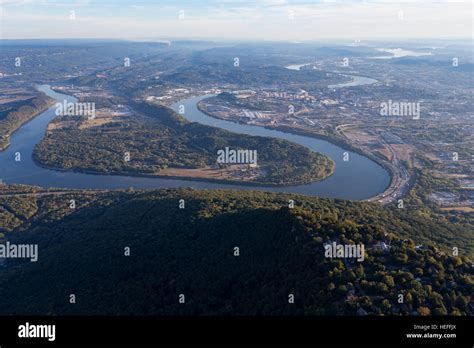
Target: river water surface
358, 178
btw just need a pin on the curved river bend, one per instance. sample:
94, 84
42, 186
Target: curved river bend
358, 178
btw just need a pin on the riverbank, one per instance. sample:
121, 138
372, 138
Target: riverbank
358, 180
261, 184
334, 140
281, 163
5, 138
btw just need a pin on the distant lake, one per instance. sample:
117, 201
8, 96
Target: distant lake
296, 66
359, 178
399, 53
355, 79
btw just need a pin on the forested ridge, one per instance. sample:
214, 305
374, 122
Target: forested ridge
191, 251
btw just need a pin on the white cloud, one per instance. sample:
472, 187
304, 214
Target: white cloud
266, 19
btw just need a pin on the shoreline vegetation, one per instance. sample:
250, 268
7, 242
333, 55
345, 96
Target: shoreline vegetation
14, 120
152, 137
168, 176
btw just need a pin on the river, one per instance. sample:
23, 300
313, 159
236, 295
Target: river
359, 178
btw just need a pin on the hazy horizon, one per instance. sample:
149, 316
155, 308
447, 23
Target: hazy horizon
242, 20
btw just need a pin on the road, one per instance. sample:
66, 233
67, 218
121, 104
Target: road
401, 179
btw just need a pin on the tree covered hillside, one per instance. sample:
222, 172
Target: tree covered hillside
191, 251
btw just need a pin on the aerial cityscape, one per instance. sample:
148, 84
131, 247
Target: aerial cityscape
236, 158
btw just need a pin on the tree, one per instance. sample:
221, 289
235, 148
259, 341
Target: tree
457, 261
440, 311
387, 279
424, 311
386, 304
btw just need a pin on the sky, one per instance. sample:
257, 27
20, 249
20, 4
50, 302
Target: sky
274, 20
